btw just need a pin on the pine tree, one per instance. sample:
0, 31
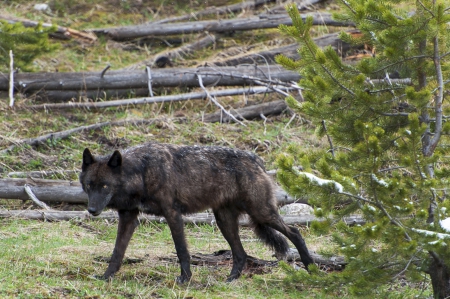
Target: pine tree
26, 44
388, 155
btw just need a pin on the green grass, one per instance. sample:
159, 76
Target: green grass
53, 260
59, 260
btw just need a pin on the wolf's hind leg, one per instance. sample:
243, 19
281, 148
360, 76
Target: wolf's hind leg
268, 216
294, 235
127, 224
227, 221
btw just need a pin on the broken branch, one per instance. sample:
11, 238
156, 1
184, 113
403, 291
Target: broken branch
212, 99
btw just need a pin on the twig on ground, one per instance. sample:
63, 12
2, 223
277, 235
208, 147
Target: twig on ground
104, 71
264, 123
289, 122
34, 198
11, 79
67, 133
212, 99
149, 74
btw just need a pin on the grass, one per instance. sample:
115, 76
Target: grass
53, 260
59, 259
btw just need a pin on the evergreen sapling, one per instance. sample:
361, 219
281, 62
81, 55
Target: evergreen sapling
388, 155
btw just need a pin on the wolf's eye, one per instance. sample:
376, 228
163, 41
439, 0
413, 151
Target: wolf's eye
104, 186
88, 186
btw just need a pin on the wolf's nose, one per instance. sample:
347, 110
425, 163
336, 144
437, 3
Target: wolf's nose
92, 211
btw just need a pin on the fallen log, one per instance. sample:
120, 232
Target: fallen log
291, 51
156, 99
198, 218
57, 96
250, 112
335, 262
71, 191
233, 8
166, 58
280, 194
40, 83
256, 265
301, 5
44, 190
252, 23
39, 174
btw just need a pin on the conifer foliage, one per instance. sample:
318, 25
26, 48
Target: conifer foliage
388, 154
26, 44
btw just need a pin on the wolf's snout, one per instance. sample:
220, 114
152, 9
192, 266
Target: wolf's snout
93, 211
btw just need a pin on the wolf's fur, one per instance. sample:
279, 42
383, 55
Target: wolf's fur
171, 180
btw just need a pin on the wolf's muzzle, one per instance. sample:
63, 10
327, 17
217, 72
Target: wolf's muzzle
93, 211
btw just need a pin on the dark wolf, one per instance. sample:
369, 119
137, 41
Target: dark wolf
170, 180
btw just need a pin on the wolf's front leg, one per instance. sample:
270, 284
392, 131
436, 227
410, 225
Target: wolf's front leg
127, 223
176, 226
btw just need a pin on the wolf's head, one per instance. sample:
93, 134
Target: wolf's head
98, 179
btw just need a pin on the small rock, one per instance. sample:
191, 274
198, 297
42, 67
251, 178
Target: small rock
41, 7
297, 209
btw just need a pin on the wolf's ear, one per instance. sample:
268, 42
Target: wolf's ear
115, 160
88, 159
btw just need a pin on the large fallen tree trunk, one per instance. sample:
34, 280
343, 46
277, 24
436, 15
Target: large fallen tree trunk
31, 83
256, 265
157, 99
198, 218
301, 5
249, 112
291, 51
233, 8
57, 96
71, 191
45, 190
252, 23
166, 58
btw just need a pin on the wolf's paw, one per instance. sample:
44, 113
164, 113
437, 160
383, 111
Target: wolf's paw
103, 277
183, 279
232, 277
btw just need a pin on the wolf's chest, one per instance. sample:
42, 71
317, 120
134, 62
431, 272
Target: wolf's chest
150, 207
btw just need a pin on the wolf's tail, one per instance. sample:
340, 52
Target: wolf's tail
272, 238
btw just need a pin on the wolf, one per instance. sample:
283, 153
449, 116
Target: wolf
171, 180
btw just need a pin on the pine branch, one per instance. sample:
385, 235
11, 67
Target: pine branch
407, 266
348, 6
425, 8
359, 197
328, 137
336, 80
400, 62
